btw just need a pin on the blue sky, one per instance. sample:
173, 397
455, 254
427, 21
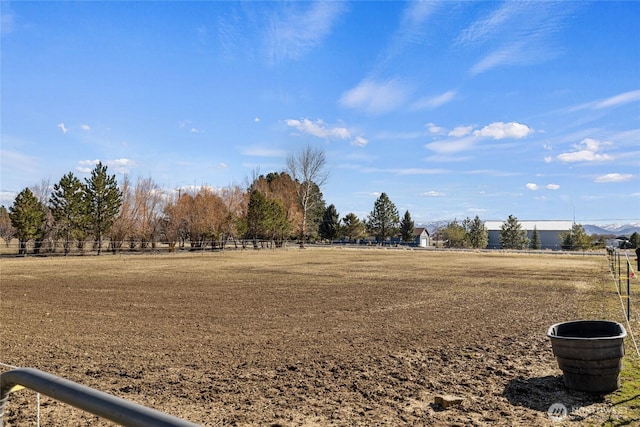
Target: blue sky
454, 109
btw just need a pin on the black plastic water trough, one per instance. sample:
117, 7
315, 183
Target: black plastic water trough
589, 352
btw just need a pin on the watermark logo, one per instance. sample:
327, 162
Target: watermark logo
557, 412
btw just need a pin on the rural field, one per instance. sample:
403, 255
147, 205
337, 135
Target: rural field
310, 337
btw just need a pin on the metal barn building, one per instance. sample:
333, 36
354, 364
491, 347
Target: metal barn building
549, 232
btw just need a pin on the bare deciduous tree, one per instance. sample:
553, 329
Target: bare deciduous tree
122, 227
148, 207
307, 167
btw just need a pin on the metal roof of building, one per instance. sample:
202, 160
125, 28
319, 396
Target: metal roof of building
544, 225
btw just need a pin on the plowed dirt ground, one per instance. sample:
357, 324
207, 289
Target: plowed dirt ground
304, 337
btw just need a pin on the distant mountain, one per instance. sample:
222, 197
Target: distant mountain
617, 229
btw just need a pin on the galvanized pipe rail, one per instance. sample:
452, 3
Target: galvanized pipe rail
118, 410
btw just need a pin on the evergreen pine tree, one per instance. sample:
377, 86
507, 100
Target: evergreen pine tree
576, 238
70, 209
477, 233
352, 228
535, 239
27, 216
104, 199
406, 228
383, 219
512, 236
330, 225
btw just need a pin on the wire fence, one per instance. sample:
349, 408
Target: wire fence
625, 275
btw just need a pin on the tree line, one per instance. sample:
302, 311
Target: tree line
269, 211
272, 209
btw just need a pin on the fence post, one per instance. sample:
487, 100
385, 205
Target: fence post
628, 289
619, 273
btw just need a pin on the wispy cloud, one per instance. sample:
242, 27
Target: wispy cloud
319, 129
7, 19
411, 29
587, 150
453, 145
614, 177
258, 151
433, 193
297, 28
121, 166
434, 101
623, 98
85, 127
405, 171
516, 33
376, 97
613, 101
359, 141
63, 128
461, 131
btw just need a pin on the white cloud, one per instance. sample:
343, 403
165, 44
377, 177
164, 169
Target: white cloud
318, 129
532, 186
583, 156
435, 101
85, 127
614, 177
121, 165
359, 141
256, 120
294, 32
501, 130
433, 194
63, 128
89, 162
463, 138
7, 197
194, 130
184, 123
553, 187
376, 97
461, 131
585, 151
433, 129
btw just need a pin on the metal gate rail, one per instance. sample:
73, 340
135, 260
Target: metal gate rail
118, 410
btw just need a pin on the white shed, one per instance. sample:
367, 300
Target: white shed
421, 237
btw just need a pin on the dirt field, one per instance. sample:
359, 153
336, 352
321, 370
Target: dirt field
304, 337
